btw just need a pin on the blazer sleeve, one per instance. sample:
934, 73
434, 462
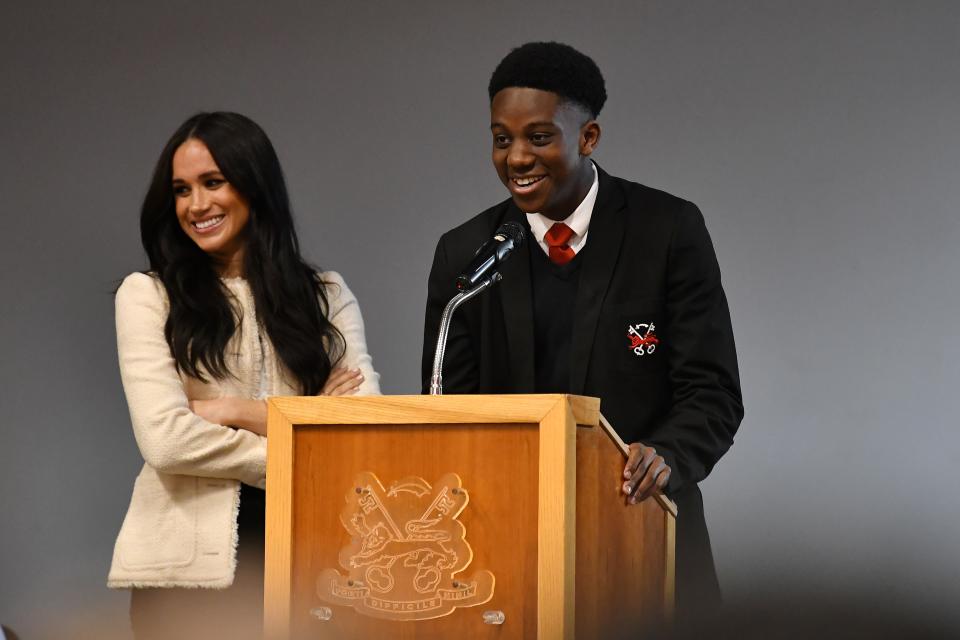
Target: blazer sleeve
460, 366
344, 312
171, 438
706, 404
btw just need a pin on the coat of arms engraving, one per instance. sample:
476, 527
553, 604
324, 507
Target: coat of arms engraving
405, 552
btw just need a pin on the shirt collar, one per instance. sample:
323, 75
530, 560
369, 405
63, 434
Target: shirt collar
579, 220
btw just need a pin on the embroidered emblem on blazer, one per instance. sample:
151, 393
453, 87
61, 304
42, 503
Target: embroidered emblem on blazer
643, 340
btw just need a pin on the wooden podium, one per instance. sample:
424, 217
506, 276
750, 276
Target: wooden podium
440, 516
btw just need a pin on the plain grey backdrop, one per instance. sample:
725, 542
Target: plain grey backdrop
821, 140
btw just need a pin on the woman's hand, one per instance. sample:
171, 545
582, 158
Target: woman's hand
251, 415
232, 411
342, 382
210, 410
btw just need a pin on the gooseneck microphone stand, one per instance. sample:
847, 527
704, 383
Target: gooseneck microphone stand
436, 379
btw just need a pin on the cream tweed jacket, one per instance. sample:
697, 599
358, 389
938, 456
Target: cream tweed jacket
180, 529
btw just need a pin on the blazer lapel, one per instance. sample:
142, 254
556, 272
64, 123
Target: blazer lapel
517, 300
605, 239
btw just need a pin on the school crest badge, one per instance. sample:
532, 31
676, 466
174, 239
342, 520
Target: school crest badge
643, 338
405, 552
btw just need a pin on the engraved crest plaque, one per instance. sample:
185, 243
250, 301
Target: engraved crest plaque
406, 550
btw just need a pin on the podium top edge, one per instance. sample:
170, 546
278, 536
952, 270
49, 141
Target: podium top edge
441, 398
466, 408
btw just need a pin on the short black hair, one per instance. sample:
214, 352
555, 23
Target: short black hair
554, 67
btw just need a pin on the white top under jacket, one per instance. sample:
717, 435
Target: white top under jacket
579, 220
181, 527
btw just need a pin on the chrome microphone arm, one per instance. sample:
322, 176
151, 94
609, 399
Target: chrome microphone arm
436, 379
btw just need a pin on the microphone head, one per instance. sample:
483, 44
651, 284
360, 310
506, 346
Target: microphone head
509, 236
512, 231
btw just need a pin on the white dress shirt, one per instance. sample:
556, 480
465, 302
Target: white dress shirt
579, 220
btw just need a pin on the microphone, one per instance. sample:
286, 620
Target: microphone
480, 275
491, 253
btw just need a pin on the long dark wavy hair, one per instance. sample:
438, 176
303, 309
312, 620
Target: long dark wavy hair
290, 299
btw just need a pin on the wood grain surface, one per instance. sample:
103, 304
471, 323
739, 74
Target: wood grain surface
544, 515
498, 467
622, 555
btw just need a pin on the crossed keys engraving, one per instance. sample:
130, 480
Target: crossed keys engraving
406, 545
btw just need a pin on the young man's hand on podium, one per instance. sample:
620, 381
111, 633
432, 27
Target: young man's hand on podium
645, 473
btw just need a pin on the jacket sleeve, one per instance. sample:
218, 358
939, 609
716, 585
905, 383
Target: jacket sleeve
344, 313
706, 404
171, 438
460, 367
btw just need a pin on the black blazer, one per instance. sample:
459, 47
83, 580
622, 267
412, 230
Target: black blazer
650, 261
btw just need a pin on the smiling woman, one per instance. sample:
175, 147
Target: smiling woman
227, 315
210, 210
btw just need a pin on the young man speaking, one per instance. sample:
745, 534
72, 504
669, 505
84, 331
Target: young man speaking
616, 295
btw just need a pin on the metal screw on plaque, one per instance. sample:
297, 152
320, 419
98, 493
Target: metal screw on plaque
493, 617
322, 613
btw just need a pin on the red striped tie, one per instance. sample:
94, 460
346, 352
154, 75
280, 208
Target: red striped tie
557, 238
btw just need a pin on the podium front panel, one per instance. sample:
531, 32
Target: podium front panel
419, 517
498, 468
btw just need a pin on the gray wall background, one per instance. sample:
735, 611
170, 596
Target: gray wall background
821, 140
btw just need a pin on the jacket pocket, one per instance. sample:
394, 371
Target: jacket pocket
160, 529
